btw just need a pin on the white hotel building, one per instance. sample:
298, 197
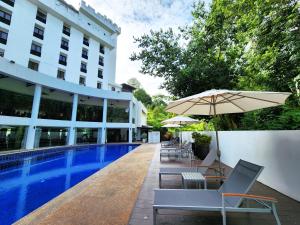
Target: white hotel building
57, 77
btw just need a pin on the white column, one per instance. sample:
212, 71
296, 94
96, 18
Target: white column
104, 117
130, 122
71, 140
34, 116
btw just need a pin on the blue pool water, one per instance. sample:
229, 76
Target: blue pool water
31, 181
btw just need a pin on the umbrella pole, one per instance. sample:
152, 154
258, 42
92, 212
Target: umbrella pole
217, 139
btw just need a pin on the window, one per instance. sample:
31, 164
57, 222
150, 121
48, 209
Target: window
100, 73
2, 52
3, 37
64, 44
5, 17
41, 16
66, 30
61, 74
101, 49
9, 2
101, 59
99, 85
83, 67
82, 80
84, 53
33, 65
36, 49
62, 59
113, 88
86, 41
38, 32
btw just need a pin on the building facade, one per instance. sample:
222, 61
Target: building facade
57, 77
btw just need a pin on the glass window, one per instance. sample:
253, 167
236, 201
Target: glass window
86, 41
2, 51
41, 16
117, 135
86, 135
61, 74
38, 32
101, 49
55, 105
16, 104
82, 80
9, 2
101, 61
83, 67
50, 136
12, 137
33, 65
3, 37
118, 111
100, 73
84, 53
64, 44
66, 30
89, 109
62, 59
36, 49
99, 85
5, 17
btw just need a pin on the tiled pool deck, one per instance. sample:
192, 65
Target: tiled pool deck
288, 209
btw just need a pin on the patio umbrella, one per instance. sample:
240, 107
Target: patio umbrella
180, 120
217, 102
171, 126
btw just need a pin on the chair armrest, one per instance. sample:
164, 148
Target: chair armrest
254, 197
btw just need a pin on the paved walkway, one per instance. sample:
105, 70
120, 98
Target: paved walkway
105, 198
288, 209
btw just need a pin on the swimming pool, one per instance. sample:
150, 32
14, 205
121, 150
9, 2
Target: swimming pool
31, 180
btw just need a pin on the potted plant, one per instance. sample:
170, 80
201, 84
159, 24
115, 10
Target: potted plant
201, 145
144, 137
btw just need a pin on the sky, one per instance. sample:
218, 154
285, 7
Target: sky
138, 17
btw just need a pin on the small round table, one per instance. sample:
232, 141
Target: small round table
192, 177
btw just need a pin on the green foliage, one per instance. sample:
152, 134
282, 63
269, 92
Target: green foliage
201, 139
242, 44
142, 95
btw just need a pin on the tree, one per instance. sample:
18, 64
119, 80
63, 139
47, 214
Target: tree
142, 95
242, 44
134, 83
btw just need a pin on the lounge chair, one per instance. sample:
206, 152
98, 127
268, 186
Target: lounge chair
172, 143
227, 198
182, 152
205, 165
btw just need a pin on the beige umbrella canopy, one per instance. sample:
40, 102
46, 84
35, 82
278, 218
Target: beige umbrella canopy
180, 120
171, 126
216, 102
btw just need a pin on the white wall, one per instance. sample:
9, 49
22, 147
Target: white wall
277, 151
20, 37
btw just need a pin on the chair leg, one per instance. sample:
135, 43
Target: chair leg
224, 217
159, 180
154, 216
274, 212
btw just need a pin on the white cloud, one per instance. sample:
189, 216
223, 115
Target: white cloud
137, 17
